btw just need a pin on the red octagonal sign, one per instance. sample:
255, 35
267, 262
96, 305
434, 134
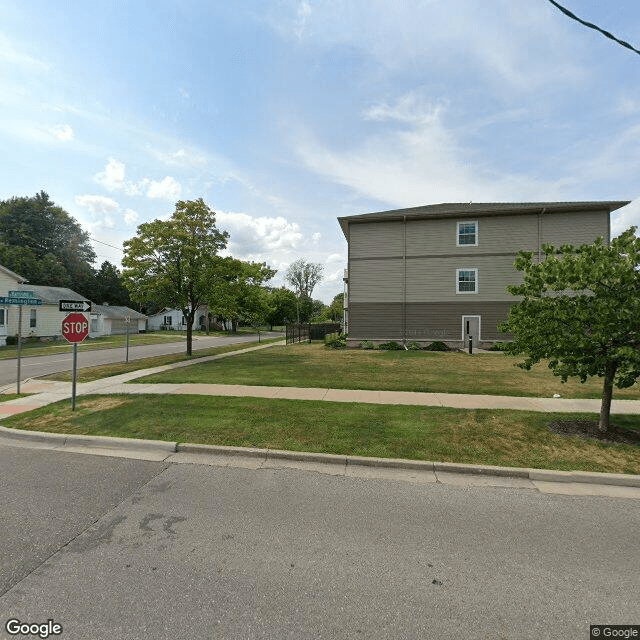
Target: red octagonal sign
75, 327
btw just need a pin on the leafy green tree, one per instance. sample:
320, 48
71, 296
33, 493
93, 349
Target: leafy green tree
108, 286
235, 290
335, 310
580, 309
303, 276
282, 307
44, 244
168, 261
318, 311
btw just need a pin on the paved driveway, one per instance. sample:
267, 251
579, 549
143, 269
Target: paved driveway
113, 548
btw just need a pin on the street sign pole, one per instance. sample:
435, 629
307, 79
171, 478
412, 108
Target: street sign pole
127, 321
73, 376
19, 345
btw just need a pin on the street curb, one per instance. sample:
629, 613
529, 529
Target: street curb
105, 442
90, 442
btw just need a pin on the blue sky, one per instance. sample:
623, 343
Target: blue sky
285, 114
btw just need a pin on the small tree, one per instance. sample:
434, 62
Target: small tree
235, 290
168, 261
303, 276
282, 306
580, 309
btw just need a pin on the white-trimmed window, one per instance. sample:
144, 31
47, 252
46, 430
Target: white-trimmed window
467, 233
32, 319
466, 281
167, 320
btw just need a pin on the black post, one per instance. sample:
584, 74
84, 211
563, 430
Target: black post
471, 345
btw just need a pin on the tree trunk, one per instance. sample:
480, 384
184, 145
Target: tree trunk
189, 336
607, 394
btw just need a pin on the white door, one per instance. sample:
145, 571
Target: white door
471, 328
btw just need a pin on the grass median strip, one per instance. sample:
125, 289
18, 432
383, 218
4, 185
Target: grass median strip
313, 365
494, 437
89, 374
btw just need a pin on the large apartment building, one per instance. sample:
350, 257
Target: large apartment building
440, 272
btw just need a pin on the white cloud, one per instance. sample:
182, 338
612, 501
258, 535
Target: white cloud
168, 188
186, 158
260, 235
417, 159
625, 217
130, 217
97, 204
62, 132
15, 58
316, 237
112, 178
336, 257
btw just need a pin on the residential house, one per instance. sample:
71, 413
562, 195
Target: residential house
44, 320
440, 272
109, 320
174, 320
9, 281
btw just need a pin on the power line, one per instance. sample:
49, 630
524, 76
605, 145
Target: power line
573, 16
104, 243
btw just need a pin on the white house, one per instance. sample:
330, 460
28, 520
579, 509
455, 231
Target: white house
44, 320
110, 320
174, 320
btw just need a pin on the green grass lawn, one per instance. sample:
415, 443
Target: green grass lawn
104, 371
313, 365
494, 437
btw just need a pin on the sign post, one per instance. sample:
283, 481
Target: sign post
127, 321
19, 346
75, 328
20, 298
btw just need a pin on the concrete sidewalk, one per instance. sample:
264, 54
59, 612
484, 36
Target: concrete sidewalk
573, 483
46, 392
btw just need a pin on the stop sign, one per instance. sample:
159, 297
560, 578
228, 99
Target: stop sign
75, 327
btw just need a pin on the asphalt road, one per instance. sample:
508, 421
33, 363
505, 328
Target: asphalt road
62, 360
117, 548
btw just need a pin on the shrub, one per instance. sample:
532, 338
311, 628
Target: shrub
497, 346
367, 344
335, 341
391, 346
413, 346
438, 346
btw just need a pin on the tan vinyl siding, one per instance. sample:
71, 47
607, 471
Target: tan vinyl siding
443, 321
434, 279
567, 228
499, 234
375, 280
375, 321
425, 321
376, 239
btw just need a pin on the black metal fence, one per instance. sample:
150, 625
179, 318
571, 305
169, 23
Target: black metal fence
298, 333
309, 332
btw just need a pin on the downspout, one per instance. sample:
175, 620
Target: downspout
540, 234
404, 285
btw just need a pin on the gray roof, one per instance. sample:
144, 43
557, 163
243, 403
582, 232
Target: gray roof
479, 209
12, 274
118, 313
51, 295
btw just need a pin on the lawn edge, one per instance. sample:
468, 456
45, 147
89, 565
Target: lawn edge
59, 441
